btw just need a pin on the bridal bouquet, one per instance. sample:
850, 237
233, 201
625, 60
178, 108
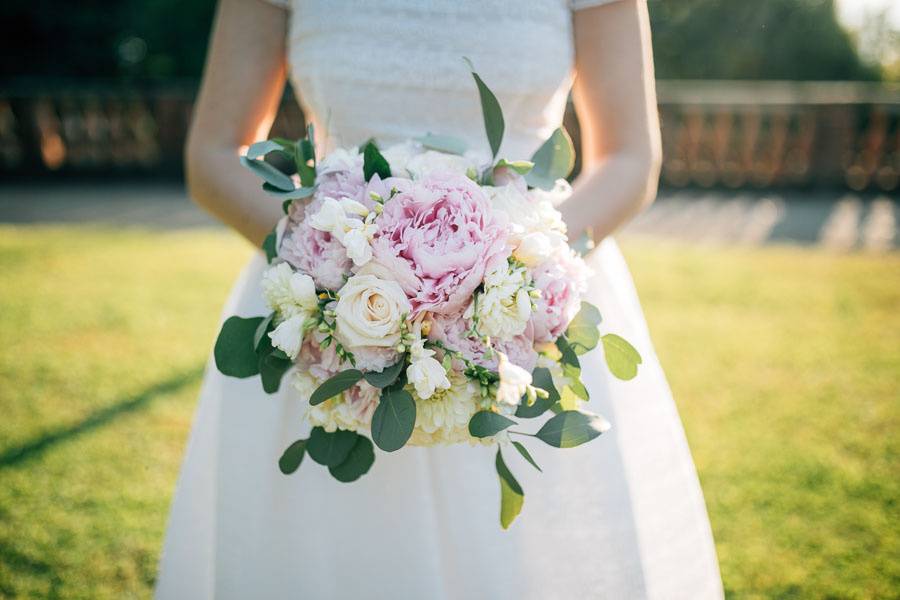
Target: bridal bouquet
423, 294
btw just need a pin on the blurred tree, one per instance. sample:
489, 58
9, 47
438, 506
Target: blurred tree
155, 40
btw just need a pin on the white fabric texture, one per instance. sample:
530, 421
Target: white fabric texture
620, 517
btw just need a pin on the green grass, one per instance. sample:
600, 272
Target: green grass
785, 364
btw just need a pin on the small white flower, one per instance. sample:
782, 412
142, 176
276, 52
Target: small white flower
357, 243
330, 218
425, 373
288, 336
503, 309
288, 292
353, 207
535, 247
514, 382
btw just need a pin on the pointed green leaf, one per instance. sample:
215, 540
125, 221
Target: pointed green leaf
511, 495
292, 457
569, 357
582, 333
269, 246
261, 333
540, 378
330, 449
553, 160
386, 377
571, 428
526, 455
269, 174
262, 148
490, 109
295, 194
621, 357
486, 423
271, 370
335, 385
519, 166
393, 419
357, 463
374, 162
235, 352
443, 143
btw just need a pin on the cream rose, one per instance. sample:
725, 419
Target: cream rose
369, 314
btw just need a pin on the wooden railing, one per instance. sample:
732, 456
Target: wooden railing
715, 133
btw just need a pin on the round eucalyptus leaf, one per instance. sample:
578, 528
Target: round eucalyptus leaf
330, 449
357, 463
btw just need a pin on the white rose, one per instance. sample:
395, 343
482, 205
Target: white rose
288, 292
527, 212
432, 161
288, 336
535, 248
340, 159
514, 382
369, 312
425, 373
357, 243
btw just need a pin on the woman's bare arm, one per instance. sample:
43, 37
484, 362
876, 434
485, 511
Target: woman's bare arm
242, 85
615, 99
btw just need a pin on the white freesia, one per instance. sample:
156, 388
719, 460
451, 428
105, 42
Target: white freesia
370, 312
288, 336
353, 207
503, 309
514, 382
424, 372
357, 242
288, 292
330, 218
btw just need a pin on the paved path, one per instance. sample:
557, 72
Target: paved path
838, 220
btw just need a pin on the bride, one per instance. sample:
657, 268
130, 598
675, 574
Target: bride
622, 517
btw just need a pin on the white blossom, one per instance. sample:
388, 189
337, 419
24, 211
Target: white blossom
514, 382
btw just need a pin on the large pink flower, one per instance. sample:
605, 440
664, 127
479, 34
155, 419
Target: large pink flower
562, 280
452, 331
437, 237
316, 253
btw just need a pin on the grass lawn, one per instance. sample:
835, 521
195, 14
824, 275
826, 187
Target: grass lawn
785, 364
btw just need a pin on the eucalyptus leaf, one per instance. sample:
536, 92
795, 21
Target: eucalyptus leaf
387, 376
292, 457
519, 166
490, 109
540, 378
553, 160
569, 357
357, 463
330, 448
294, 194
443, 143
486, 423
260, 335
335, 385
578, 388
270, 246
526, 455
235, 352
269, 174
582, 333
262, 148
271, 371
571, 428
511, 495
621, 357
374, 162
393, 419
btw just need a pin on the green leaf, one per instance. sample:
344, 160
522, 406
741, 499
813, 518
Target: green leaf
335, 385
393, 419
374, 162
443, 143
330, 449
511, 495
486, 423
540, 378
307, 175
234, 352
571, 428
294, 194
387, 376
526, 455
271, 370
357, 463
621, 357
260, 334
577, 387
553, 160
292, 457
490, 109
262, 148
269, 246
569, 357
269, 174
519, 166
582, 333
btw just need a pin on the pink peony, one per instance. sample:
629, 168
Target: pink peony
562, 280
316, 253
362, 399
437, 237
452, 329
318, 362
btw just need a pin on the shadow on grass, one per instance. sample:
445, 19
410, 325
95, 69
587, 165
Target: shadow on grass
139, 401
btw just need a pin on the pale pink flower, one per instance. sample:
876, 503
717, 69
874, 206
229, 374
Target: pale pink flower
561, 280
453, 330
361, 400
437, 237
316, 253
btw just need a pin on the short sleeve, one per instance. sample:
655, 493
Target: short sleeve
580, 4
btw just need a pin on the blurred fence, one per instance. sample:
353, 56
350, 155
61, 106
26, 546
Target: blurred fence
715, 133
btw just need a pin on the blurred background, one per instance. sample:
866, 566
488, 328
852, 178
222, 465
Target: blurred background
768, 270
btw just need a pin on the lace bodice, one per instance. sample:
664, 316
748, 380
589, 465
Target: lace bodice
394, 69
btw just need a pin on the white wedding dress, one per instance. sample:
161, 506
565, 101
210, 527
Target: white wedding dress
620, 517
